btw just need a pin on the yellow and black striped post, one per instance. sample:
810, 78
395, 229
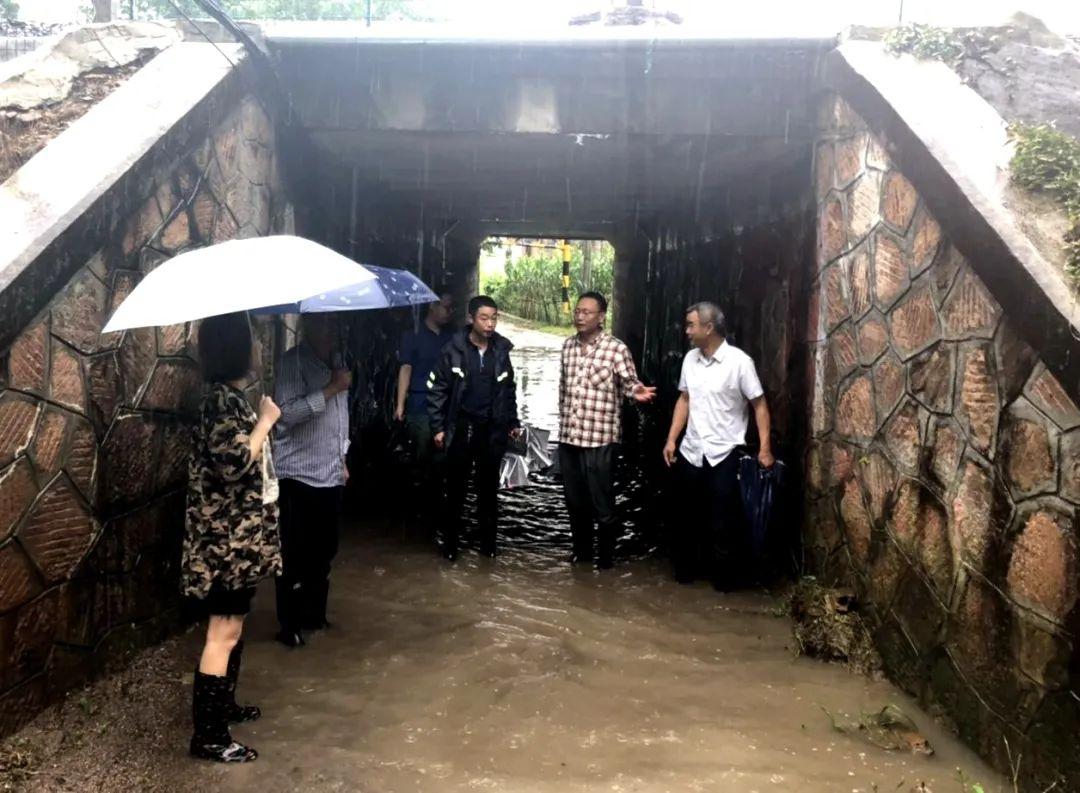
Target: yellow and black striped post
565, 276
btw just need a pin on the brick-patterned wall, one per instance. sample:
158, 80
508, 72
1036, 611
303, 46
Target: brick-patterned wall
944, 470
94, 430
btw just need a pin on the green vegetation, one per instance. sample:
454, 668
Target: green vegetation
532, 286
276, 9
9, 10
1047, 161
926, 42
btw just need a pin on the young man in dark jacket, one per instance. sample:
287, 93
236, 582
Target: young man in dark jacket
472, 405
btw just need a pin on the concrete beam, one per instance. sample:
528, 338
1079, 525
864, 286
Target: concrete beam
601, 89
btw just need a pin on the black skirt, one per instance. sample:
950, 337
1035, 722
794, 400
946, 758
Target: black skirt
221, 602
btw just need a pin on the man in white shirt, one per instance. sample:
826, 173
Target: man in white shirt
717, 382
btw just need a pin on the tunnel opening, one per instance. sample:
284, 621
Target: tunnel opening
538, 279
692, 160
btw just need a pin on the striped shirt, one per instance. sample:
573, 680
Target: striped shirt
311, 438
595, 378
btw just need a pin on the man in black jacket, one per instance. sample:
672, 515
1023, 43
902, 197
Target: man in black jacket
472, 405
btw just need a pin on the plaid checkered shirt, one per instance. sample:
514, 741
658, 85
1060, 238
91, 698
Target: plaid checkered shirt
594, 380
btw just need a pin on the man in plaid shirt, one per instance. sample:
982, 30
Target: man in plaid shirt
597, 374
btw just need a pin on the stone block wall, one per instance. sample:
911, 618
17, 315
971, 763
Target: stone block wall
943, 474
94, 429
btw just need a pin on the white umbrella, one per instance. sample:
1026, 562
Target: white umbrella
239, 275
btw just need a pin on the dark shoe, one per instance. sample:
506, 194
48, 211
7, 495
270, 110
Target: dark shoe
235, 752
238, 713
290, 638
211, 695
316, 624
580, 558
449, 554
605, 563
488, 551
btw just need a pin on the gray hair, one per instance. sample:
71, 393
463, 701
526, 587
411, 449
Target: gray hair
711, 313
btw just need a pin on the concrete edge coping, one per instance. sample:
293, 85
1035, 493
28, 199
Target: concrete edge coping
969, 139
316, 33
63, 180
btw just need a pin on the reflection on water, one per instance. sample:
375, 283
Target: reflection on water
535, 516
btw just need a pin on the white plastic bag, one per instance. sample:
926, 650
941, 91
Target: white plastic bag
513, 471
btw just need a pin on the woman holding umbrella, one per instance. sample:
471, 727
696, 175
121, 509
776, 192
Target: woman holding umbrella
231, 539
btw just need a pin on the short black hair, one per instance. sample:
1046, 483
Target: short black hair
479, 302
225, 347
440, 292
599, 298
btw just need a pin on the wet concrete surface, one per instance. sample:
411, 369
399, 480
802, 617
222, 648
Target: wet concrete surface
523, 673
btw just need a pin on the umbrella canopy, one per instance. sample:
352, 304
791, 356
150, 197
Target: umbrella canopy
239, 275
389, 289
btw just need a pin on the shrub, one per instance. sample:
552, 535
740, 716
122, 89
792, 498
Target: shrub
1047, 161
532, 286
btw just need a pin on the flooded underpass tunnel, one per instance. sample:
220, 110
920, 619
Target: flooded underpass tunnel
849, 209
693, 160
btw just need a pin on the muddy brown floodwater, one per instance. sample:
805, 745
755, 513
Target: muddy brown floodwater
522, 674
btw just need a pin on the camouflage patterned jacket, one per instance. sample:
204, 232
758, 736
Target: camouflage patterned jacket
231, 537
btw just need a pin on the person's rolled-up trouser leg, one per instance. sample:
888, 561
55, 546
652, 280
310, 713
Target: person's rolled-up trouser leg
578, 501
599, 471
287, 586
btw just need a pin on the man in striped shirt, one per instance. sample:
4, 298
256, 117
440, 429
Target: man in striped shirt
597, 374
310, 443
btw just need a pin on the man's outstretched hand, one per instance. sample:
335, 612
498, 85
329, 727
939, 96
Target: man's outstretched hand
643, 394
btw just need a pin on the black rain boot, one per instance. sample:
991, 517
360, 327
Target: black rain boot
238, 713
211, 739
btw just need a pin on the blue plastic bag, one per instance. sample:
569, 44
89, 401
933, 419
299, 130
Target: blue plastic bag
759, 487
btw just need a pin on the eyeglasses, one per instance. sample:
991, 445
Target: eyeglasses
584, 312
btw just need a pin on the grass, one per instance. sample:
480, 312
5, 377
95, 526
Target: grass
926, 42
1047, 161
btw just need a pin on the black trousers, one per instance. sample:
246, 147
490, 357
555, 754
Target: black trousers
709, 538
310, 523
589, 489
424, 490
475, 453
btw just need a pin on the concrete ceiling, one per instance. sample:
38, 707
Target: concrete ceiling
535, 137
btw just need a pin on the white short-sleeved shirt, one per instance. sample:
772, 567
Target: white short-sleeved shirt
719, 388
